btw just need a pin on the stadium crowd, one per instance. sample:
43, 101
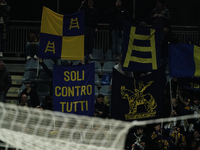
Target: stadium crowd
179, 101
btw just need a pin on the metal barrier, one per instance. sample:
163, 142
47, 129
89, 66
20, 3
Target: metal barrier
17, 36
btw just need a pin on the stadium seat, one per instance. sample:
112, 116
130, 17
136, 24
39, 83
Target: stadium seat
105, 90
96, 91
108, 56
76, 62
106, 78
43, 78
29, 74
97, 66
49, 63
41, 98
98, 54
16, 79
13, 92
32, 64
97, 82
108, 67
43, 89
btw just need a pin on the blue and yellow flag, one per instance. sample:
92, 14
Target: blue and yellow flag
62, 36
73, 89
184, 60
141, 48
138, 98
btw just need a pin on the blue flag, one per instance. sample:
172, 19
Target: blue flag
141, 48
184, 60
62, 36
73, 89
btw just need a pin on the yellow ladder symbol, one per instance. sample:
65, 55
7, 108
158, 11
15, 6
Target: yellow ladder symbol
74, 23
50, 47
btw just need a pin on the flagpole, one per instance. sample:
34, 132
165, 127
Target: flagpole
81, 5
37, 67
133, 8
170, 89
161, 125
58, 5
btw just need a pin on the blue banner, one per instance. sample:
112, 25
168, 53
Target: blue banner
138, 98
74, 88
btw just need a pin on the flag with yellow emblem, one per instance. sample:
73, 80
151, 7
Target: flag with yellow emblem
62, 36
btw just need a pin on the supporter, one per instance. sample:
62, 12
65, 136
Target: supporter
173, 105
116, 16
91, 22
196, 135
32, 45
198, 146
169, 37
46, 69
177, 135
48, 103
193, 145
24, 100
32, 95
192, 108
4, 24
101, 109
155, 136
182, 145
5, 82
160, 15
137, 138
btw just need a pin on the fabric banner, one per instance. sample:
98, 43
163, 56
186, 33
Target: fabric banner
134, 99
190, 83
141, 48
62, 36
184, 60
74, 89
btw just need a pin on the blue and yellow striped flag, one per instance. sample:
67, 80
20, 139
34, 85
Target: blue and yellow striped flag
141, 48
184, 60
62, 36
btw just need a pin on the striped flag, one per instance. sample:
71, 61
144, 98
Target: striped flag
184, 60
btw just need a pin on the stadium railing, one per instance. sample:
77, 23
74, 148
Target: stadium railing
18, 31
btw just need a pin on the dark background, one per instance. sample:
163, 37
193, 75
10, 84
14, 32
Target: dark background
183, 12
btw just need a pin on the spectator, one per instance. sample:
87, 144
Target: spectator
169, 37
91, 22
101, 109
32, 45
198, 146
196, 135
5, 82
137, 137
48, 103
117, 15
160, 15
4, 24
24, 100
182, 145
32, 95
193, 145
